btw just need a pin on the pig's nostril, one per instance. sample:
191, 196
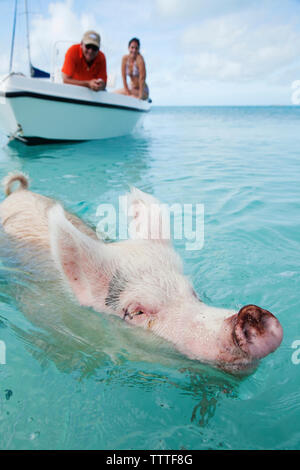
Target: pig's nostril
257, 332
253, 315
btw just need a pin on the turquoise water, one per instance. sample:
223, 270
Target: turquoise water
74, 379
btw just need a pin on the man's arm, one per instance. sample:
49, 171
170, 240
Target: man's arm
95, 84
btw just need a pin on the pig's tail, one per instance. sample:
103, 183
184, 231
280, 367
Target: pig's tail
12, 178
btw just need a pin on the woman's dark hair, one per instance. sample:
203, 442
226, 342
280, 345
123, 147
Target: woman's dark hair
134, 40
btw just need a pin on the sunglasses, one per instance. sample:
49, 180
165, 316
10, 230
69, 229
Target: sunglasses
92, 46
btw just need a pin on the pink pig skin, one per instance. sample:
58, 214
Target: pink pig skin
139, 280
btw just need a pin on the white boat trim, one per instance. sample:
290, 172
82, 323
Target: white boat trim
18, 94
76, 100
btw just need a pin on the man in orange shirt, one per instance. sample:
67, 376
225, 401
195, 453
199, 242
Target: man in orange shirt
85, 64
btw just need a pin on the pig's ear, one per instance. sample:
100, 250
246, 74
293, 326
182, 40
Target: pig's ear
81, 260
148, 218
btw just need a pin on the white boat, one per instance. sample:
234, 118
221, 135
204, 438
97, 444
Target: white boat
40, 110
37, 110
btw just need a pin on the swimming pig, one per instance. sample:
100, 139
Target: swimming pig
139, 280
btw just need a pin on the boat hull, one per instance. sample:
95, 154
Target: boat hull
38, 111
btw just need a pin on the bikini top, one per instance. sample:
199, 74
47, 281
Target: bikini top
135, 70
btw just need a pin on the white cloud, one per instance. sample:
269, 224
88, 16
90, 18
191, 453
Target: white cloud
234, 47
200, 8
61, 24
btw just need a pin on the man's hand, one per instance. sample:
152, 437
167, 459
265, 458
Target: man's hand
96, 84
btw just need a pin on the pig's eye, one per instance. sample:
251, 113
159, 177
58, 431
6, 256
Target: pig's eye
131, 315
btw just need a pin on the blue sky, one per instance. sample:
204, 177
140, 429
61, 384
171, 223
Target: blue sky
197, 52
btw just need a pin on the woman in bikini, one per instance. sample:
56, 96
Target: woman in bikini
133, 66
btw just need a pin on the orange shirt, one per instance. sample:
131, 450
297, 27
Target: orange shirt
75, 65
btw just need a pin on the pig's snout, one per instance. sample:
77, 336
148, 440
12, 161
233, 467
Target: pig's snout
257, 332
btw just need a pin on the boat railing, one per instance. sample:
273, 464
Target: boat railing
58, 54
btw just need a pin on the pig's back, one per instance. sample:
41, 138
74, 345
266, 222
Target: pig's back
24, 216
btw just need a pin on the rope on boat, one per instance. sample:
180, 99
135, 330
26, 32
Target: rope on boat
16, 135
13, 38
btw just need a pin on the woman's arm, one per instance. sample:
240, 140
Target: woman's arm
123, 69
142, 77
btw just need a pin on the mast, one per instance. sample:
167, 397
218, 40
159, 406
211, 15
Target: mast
27, 36
13, 38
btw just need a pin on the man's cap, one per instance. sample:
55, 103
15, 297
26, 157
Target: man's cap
91, 37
